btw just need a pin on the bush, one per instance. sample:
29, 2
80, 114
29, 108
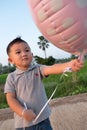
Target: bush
3, 78
3, 102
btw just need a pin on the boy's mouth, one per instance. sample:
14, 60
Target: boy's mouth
24, 59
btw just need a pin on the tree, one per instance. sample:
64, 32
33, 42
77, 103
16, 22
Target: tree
43, 44
0, 68
48, 61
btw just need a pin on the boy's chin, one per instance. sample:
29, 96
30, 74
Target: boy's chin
26, 65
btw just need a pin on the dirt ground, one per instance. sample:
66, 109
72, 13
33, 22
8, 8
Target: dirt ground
68, 113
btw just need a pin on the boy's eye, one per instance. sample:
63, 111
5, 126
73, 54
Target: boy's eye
27, 50
18, 52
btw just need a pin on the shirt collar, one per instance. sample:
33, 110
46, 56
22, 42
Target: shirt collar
18, 71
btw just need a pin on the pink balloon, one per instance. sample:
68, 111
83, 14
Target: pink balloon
62, 22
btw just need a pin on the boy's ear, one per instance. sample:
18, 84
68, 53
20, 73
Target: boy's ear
10, 60
32, 54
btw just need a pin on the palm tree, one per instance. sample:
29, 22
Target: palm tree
43, 44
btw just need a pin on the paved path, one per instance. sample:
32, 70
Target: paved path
69, 113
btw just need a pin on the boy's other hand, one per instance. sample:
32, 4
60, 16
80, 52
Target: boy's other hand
29, 115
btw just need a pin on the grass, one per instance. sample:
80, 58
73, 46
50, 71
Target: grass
73, 84
3, 78
3, 103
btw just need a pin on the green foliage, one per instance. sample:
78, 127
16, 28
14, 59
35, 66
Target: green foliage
43, 44
48, 61
72, 84
7, 68
3, 102
3, 78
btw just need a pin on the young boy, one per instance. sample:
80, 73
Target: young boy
24, 89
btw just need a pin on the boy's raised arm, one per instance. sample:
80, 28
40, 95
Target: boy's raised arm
75, 65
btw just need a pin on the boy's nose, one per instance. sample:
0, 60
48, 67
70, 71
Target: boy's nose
23, 53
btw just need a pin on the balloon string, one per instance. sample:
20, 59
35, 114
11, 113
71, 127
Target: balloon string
82, 55
44, 106
68, 69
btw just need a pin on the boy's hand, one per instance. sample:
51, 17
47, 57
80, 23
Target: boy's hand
29, 115
76, 64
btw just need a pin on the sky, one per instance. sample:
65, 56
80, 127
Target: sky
16, 20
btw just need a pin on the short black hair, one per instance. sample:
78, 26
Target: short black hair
16, 40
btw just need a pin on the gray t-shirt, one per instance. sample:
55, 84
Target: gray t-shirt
29, 88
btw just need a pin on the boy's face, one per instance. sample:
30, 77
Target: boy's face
20, 55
